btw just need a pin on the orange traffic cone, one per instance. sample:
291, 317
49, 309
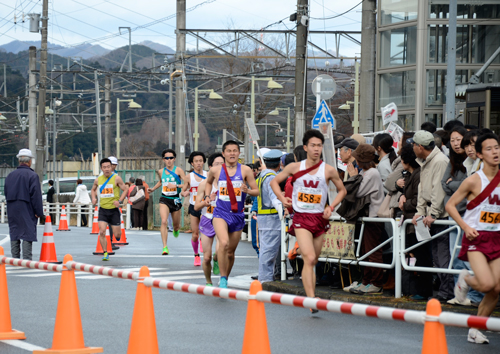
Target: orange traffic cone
143, 338
123, 237
256, 338
48, 253
95, 223
63, 223
434, 336
68, 331
6, 331
98, 249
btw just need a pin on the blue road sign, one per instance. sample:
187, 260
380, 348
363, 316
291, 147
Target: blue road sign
323, 115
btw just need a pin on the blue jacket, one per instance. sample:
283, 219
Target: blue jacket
24, 201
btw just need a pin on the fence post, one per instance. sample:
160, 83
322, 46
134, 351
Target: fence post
3, 213
68, 214
79, 215
57, 206
398, 279
283, 248
90, 218
128, 217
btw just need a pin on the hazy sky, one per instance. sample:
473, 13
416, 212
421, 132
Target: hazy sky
75, 21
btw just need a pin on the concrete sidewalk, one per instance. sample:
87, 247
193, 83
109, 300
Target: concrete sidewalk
387, 299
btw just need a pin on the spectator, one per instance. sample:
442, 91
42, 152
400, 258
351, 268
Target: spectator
438, 141
131, 180
346, 148
138, 206
359, 138
299, 153
428, 126
430, 205
471, 163
24, 205
470, 127
371, 185
82, 197
445, 139
50, 199
452, 124
416, 284
395, 179
338, 138
146, 204
383, 144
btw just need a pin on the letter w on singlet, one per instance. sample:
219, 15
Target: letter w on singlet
493, 199
311, 184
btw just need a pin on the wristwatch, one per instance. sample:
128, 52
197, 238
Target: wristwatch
434, 216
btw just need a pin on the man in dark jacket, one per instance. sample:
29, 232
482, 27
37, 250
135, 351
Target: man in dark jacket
24, 205
50, 199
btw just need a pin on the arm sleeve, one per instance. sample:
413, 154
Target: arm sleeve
421, 204
410, 205
390, 182
438, 194
36, 195
446, 176
270, 192
365, 187
77, 195
455, 184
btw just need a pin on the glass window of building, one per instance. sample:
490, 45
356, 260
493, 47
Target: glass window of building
398, 87
436, 85
466, 9
398, 47
395, 11
438, 43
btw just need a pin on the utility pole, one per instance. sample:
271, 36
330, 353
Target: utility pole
4, 80
301, 70
368, 57
180, 98
452, 62
98, 116
170, 103
32, 99
107, 116
40, 129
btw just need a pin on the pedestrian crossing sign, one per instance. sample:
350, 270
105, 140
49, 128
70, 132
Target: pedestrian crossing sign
323, 115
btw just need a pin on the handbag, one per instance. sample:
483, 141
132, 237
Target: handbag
139, 196
385, 210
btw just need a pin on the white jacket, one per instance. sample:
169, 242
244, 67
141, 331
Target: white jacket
82, 195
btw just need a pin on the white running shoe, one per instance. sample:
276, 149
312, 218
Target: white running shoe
477, 337
455, 301
353, 285
461, 287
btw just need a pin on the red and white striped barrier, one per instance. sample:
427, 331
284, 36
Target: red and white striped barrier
387, 313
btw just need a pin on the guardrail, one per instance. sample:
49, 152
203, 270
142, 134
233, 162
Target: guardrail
255, 298
398, 253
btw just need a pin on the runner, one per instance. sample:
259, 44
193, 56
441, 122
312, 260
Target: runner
171, 178
109, 185
197, 159
207, 205
309, 200
481, 225
229, 217
114, 165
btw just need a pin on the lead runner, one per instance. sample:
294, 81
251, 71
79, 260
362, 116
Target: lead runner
229, 218
309, 200
481, 225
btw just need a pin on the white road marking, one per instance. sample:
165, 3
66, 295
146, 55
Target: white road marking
22, 344
153, 274
34, 275
5, 240
21, 270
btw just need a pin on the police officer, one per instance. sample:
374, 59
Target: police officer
268, 217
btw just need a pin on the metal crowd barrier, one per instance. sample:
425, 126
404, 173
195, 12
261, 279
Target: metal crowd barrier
398, 240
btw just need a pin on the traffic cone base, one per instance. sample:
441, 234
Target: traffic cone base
86, 350
109, 246
48, 252
95, 223
6, 331
256, 337
63, 222
123, 237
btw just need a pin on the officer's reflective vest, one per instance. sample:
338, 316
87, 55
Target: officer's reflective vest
264, 210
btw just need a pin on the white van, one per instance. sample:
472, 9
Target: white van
67, 186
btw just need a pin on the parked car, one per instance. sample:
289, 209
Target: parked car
67, 187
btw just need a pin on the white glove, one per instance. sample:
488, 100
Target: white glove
279, 207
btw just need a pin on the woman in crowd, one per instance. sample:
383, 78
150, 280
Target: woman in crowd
472, 163
383, 144
138, 206
81, 197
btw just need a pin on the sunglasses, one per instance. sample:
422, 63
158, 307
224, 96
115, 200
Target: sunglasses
169, 158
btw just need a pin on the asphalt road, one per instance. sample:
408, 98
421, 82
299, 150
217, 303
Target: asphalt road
189, 323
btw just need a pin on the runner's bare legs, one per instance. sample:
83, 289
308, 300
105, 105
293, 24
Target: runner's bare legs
164, 211
227, 246
207, 243
310, 249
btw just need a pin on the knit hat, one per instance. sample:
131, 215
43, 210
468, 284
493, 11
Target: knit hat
364, 153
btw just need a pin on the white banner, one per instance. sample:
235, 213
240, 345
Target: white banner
390, 113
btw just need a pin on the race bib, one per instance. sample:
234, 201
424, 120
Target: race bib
210, 209
309, 198
170, 191
489, 217
194, 193
224, 193
107, 191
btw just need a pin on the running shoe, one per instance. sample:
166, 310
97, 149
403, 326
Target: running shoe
216, 268
358, 289
176, 233
371, 289
293, 252
353, 285
197, 261
209, 284
461, 287
223, 283
165, 251
313, 311
477, 337
106, 256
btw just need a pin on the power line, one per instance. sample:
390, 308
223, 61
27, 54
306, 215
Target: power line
339, 15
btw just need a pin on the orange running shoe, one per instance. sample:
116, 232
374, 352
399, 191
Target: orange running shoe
293, 252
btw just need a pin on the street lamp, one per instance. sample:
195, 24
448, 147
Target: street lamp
276, 113
2, 117
213, 96
271, 84
131, 104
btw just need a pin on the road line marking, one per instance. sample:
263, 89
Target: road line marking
22, 270
177, 272
6, 238
22, 344
51, 274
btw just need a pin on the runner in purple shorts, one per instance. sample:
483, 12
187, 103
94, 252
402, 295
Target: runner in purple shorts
207, 203
481, 225
231, 180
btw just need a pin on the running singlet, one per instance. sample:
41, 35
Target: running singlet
166, 191
193, 189
208, 212
486, 216
110, 192
223, 201
310, 191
